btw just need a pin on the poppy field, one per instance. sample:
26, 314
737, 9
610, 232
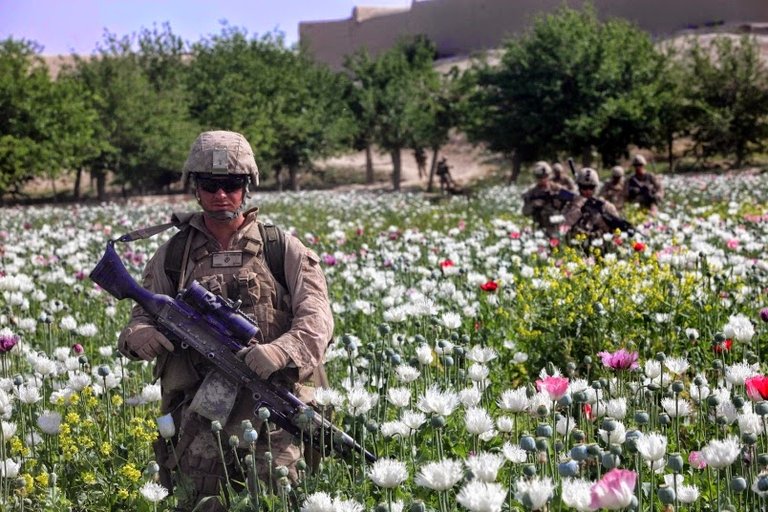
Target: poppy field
488, 367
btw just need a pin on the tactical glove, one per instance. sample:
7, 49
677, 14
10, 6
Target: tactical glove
265, 359
145, 342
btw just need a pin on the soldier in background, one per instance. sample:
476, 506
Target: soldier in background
589, 215
421, 161
643, 187
545, 199
443, 171
561, 178
613, 189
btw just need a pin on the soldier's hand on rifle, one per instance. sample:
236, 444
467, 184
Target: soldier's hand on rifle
146, 342
264, 359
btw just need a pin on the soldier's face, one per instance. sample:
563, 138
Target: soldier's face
587, 190
220, 194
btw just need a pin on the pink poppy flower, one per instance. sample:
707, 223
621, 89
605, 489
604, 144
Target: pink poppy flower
555, 387
614, 491
620, 360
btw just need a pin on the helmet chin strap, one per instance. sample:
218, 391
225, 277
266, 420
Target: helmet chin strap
225, 215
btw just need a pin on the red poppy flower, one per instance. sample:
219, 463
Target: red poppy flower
723, 347
638, 246
446, 263
490, 286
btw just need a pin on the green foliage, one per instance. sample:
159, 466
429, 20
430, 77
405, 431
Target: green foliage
289, 109
572, 83
729, 85
397, 97
45, 126
144, 128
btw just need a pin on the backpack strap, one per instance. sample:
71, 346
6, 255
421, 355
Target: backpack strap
176, 256
274, 251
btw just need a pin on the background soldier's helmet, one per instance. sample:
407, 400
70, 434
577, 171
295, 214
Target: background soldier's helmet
617, 171
221, 153
542, 169
557, 168
638, 160
587, 176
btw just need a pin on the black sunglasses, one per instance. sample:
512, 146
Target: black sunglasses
228, 185
588, 187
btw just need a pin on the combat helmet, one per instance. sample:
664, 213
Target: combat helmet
216, 155
638, 159
219, 153
587, 176
541, 169
617, 171
557, 168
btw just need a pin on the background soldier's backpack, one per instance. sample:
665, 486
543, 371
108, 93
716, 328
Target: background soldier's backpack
274, 253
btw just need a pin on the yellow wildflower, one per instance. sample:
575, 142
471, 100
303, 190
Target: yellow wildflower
88, 478
106, 449
29, 483
42, 480
130, 472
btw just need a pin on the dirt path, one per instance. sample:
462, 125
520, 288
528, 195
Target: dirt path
467, 163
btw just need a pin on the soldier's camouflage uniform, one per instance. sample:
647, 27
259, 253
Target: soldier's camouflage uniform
299, 319
646, 190
613, 192
586, 216
541, 202
564, 181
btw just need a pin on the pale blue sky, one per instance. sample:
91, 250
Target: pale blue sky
64, 26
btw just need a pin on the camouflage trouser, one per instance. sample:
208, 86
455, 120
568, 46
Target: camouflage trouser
201, 472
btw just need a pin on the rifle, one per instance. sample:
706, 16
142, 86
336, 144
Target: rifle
613, 221
214, 327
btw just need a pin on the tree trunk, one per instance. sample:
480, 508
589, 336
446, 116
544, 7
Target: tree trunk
670, 154
397, 169
101, 185
293, 173
368, 165
516, 166
278, 170
78, 181
53, 188
432, 168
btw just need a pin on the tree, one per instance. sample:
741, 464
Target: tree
46, 127
392, 91
676, 113
145, 128
441, 111
361, 100
571, 83
289, 109
728, 83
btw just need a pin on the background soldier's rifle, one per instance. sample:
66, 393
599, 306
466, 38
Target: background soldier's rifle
214, 327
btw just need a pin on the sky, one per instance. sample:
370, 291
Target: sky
67, 26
